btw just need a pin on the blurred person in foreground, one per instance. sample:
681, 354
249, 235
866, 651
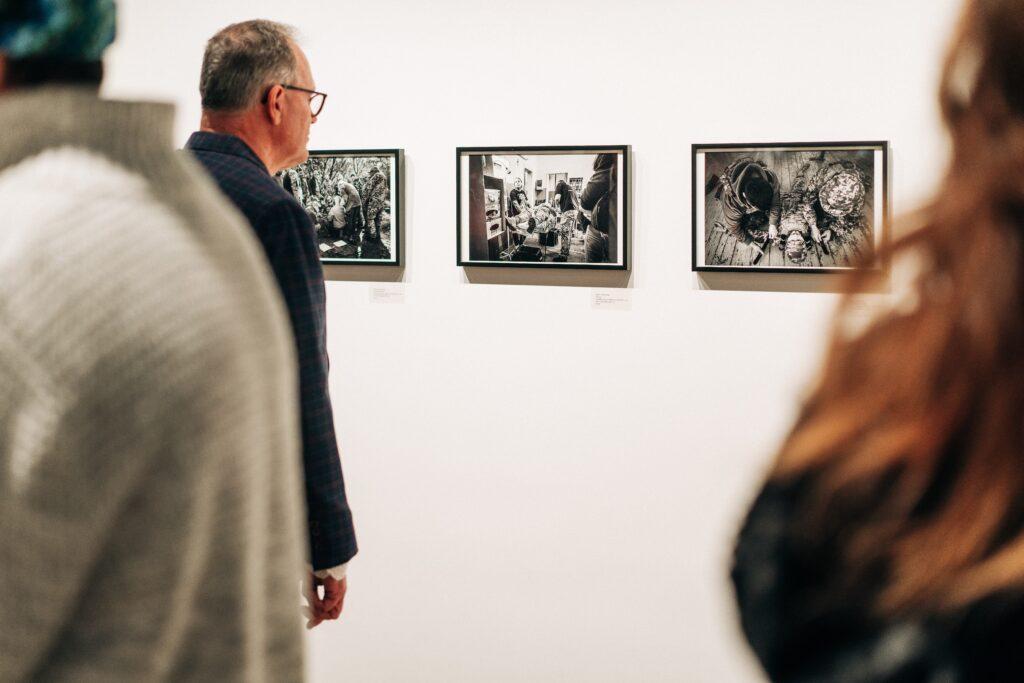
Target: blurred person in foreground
888, 542
150, 499
259, 101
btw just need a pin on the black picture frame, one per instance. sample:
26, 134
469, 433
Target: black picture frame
699, 199
397, 157
625, 211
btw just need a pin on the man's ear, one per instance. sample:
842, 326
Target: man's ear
274, 106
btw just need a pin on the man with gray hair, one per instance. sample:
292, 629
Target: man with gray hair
259, 100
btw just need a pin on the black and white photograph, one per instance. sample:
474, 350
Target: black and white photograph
353, 198
789, 207
546, 207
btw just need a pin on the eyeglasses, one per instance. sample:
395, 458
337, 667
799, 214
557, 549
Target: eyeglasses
316, 99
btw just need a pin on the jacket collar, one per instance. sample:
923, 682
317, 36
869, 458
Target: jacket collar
224, 143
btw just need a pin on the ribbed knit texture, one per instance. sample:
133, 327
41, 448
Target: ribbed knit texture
150, 499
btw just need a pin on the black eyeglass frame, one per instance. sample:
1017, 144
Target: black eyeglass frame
313, 94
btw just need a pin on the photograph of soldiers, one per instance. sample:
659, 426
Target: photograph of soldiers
523, 208
789, 208
349, 197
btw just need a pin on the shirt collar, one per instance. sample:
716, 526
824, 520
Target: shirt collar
224, 143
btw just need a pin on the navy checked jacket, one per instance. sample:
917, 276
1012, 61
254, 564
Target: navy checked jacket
289, 240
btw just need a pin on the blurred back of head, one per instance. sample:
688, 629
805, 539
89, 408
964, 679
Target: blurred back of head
916, 424
54, 42
243, 59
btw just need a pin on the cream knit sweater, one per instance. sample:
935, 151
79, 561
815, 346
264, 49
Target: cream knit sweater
150, 504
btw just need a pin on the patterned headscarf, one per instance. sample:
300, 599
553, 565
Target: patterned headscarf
78, 30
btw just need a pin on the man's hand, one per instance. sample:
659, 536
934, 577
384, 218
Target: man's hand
815, 234
773, 231
327, 607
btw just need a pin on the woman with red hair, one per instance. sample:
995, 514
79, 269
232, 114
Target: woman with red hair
888, 541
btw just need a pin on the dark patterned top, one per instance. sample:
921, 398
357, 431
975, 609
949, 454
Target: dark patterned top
288, 238
567, 199
516, 202
802, 634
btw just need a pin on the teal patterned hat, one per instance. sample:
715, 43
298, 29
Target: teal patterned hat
78, 30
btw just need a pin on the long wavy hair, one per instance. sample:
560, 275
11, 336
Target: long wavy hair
914, 434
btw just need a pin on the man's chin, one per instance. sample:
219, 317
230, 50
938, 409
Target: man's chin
297, 159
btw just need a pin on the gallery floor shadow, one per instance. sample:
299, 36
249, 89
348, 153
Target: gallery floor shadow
610, 279
818, 283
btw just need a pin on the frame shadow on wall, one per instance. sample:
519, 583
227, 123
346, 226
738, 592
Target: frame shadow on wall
821, 283
547, 277
557, 277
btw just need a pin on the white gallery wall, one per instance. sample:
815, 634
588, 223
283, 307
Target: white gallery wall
545, 491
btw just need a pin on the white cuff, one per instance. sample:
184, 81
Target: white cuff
336, 573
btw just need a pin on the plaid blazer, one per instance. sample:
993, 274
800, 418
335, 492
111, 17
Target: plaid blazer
289, 240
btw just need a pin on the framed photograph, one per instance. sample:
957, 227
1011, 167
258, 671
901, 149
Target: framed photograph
353, 198
789, 207
544, 207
